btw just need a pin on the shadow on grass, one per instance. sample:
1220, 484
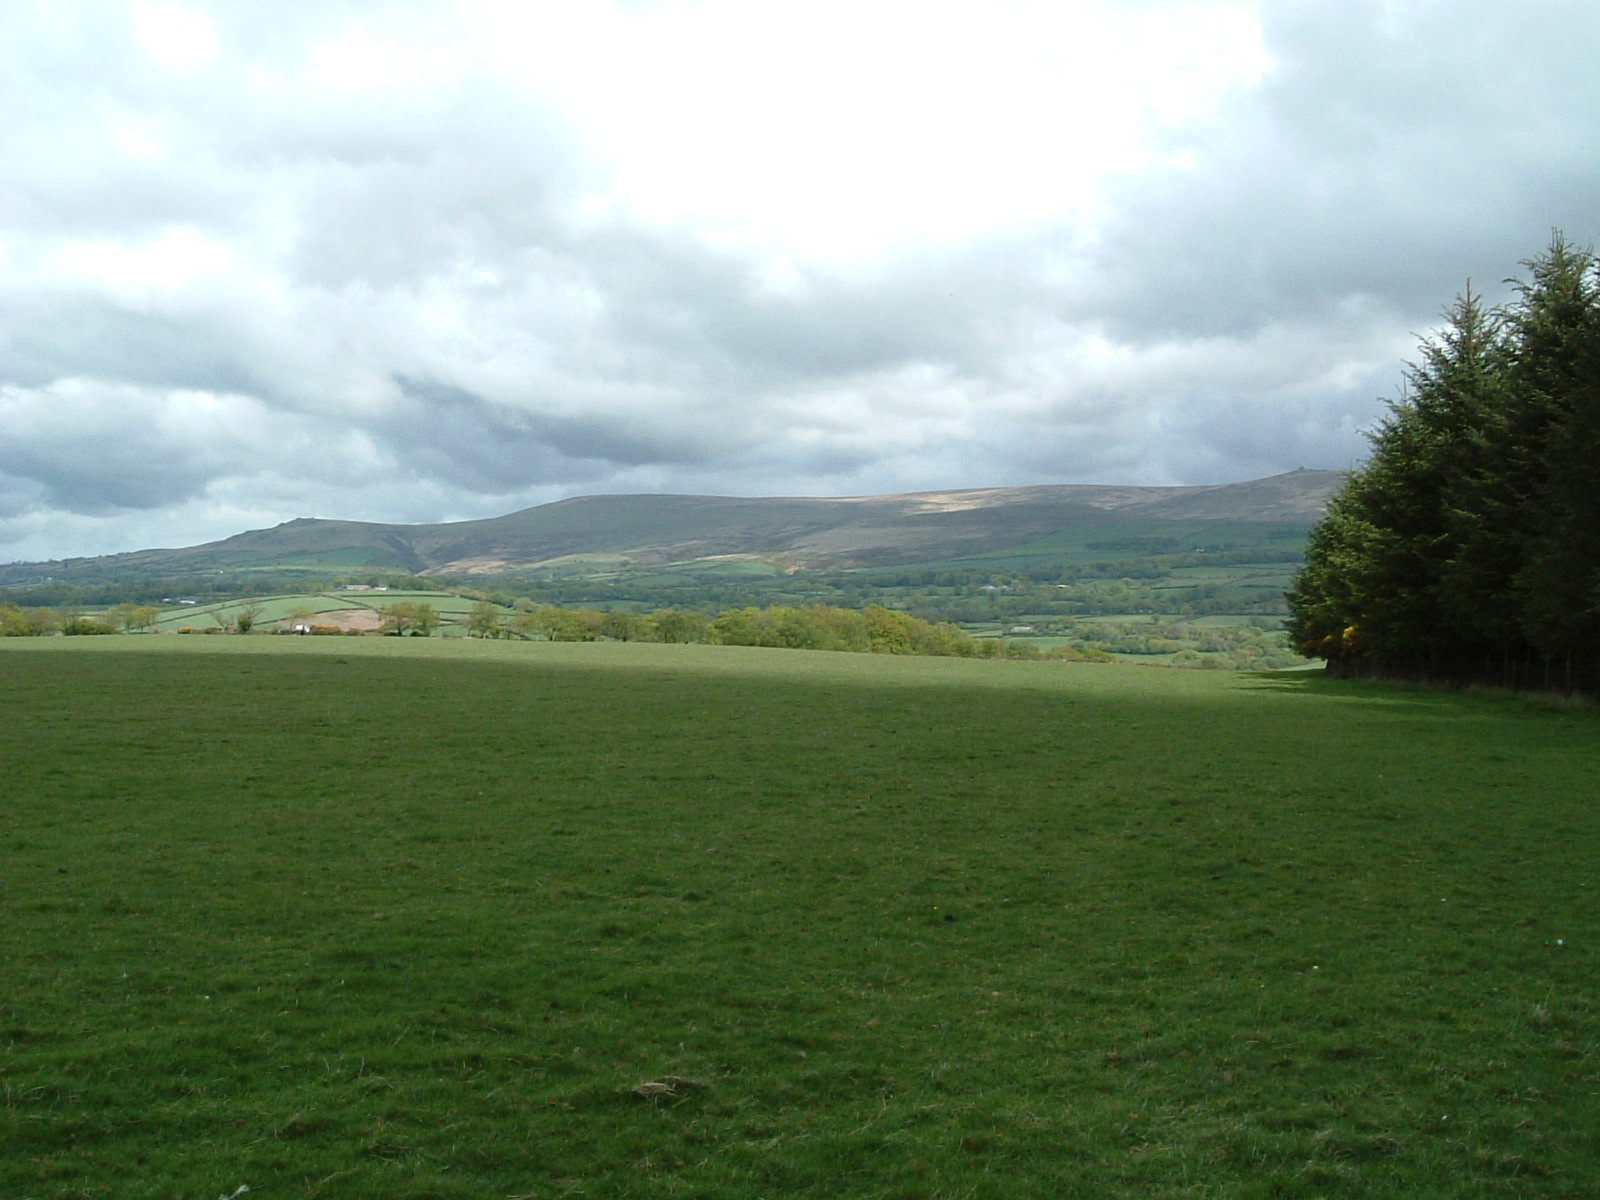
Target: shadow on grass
1314, 683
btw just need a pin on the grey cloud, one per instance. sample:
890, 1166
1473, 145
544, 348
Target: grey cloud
1214, 437
51, 336
471, 442
91, 448
473, 185
97, 454
17, 496
1396, 150
713, 310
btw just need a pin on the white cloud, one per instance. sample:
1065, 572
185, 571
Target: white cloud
175, 36
839, 130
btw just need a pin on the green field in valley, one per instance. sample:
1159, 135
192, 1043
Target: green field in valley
452, 608
447, 918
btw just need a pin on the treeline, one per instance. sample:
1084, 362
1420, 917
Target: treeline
1259, 646
1005, 602
1121, 597
1150, 566
16, 621
874, 630
879, 630
20, 590
1468, 547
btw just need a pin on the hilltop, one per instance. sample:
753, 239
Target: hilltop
658, 530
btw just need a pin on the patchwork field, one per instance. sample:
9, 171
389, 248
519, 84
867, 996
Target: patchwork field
358, 610
448, 918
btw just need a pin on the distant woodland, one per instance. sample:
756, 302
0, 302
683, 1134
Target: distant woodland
1468, 547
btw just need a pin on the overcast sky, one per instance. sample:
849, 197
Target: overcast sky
430, 261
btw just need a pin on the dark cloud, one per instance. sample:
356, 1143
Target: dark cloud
96, 450
452, 434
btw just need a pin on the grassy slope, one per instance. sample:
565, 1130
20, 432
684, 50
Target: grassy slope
384, 918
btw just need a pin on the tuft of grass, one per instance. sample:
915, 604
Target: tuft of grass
386, 917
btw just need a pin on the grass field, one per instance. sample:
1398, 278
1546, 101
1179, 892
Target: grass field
426, 918
452, 609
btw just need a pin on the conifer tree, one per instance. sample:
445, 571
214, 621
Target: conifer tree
1374, 581
1558, 584
1472, 534
1501, 515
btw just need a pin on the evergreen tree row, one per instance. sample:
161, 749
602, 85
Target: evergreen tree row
1468, 546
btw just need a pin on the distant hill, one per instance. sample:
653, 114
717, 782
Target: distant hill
642, 531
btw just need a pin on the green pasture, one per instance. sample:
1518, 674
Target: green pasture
447, 604
270, 609
424, 918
